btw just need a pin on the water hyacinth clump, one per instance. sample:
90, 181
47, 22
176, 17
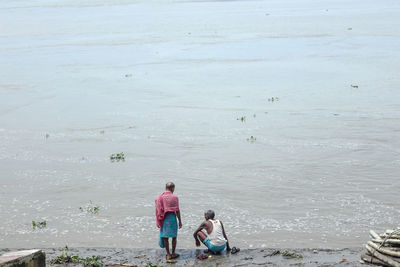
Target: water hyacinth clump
293, 255
242, 119
252, 139
93, 261
64, 258
117, 157
272, 99
91, 208
39, 225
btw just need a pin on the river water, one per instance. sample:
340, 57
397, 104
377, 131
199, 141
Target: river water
166, 82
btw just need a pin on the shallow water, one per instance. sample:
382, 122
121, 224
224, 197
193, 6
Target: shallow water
165, 82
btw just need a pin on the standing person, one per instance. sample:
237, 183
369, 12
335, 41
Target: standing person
167, 211
212, 234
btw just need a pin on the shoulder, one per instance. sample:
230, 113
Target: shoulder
206, 223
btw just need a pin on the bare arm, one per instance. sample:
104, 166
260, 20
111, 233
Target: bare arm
201, 227
178, 214
227, 242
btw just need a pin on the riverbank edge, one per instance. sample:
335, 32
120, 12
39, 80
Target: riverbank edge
188, 257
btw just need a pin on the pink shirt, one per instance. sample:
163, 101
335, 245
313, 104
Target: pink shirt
166, 202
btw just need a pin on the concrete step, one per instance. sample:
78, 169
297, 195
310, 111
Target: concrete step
23, 258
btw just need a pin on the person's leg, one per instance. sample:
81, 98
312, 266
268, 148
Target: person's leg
173, 245
173, 254
166, 245
202, 236
173, 233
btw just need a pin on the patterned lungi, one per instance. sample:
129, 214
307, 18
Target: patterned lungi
169, 226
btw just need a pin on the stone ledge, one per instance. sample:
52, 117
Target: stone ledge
23, 258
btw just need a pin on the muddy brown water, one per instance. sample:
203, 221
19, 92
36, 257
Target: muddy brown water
166, 82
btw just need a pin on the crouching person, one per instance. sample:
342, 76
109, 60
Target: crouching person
212, 234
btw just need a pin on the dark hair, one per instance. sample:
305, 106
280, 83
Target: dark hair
170, 186
210, 214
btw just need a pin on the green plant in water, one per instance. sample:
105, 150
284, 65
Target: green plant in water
117, 157
152, 265
90, 208
75, 258
93, 261
39, 225
242, 119
47, 136
272, 99
102, 131
354, 86
273, 253
64, 258
128, 75
252, 139
292, 255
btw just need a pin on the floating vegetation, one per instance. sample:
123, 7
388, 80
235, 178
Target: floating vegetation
242, 119
102, 131
117, 157
252, 139
152, 265
292, 255
349, 29
272, 99
90, 208
39, 225
93, 261
65, 258
354, 86
47, 136
128, 75
273, 253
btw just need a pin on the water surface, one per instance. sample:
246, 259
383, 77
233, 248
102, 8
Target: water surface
165, 82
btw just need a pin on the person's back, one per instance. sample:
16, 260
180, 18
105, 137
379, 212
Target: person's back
216, 236
167, 211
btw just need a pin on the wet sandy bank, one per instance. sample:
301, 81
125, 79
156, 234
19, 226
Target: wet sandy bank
246, 257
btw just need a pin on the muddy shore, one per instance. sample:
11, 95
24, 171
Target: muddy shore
247, 257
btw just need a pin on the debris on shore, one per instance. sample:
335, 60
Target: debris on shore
135, 257
384, 249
